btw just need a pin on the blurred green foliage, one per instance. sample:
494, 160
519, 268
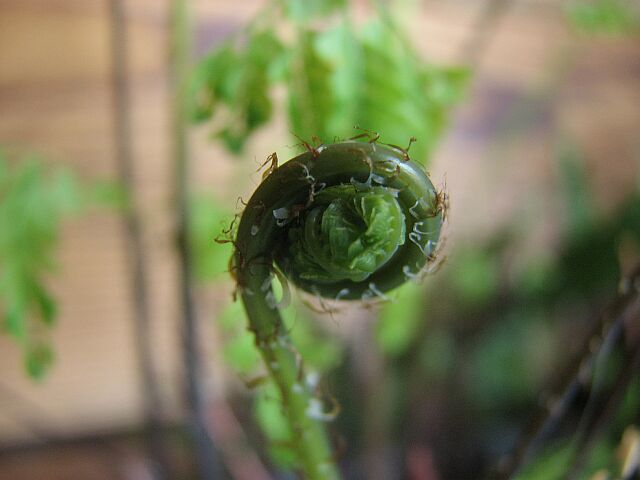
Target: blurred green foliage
335, 79
35, 199
611, 17
301, 11
237, 79
33, 203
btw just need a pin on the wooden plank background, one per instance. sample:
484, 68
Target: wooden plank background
55, 99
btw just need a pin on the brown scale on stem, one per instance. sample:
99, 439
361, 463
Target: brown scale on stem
272, 161
403, 151
372, 137
313, 150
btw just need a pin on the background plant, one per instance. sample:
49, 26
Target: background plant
33, 204
337, 75
35, 201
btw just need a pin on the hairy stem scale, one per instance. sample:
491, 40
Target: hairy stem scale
351, 220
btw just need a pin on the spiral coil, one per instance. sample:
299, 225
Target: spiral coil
345, 221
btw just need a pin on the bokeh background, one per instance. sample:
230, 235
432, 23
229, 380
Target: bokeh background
540, 153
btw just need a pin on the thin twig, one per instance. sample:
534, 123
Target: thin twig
133, 236
603, 404
609, 331
207, 458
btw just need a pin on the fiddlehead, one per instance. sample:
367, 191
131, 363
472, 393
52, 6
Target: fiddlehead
344, 221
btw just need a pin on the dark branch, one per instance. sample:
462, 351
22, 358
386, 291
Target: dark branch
133, 237
208, 464
614, 332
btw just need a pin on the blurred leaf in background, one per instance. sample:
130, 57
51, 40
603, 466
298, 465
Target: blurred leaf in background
301, 11
33, 203
611, 17
401, 96
310, 94
233, 82
336, 78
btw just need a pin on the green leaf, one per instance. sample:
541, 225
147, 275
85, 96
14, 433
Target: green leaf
304, 10
339, 47
45, 303
336, 80
609, 17
556, 459
310, 95
33, 203
520, 341
65, 189
376, 82
238, 79
15, 321
400, 96
208, 85
347, 235
38, 360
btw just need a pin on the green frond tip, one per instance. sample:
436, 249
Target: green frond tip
350, 220
347, 235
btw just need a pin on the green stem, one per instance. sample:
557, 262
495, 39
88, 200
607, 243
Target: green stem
283, 362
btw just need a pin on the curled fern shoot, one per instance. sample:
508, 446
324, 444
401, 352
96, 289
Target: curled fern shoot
347, 221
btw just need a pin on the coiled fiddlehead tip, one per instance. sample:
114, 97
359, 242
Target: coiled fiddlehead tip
349, 220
